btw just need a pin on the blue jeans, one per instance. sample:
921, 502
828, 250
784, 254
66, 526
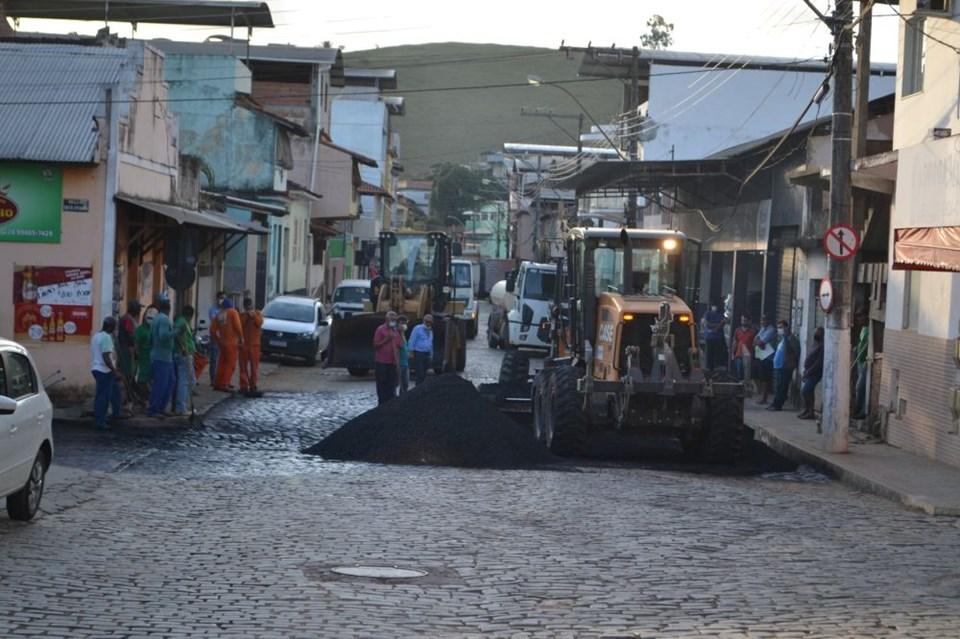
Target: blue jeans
781, 384
404, 379
421, 362
108, 392
186, 380
212, 364
161, 391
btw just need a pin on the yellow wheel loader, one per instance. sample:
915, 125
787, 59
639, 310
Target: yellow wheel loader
414, 281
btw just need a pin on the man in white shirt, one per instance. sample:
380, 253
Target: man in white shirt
107, 375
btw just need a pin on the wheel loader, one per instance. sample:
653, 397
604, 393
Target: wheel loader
414, 281
623, 350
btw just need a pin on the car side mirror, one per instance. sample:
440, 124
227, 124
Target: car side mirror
511, 281
325, 321
8, 405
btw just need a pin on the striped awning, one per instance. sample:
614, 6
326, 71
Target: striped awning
932, 248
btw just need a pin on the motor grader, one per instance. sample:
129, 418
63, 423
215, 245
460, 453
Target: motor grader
414, 281
623, 350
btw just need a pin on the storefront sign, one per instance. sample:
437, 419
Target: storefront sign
30, 203
52, 303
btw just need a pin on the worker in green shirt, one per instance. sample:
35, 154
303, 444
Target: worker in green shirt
860, 361
142, 344
184, 348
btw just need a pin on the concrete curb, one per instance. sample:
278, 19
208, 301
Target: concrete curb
839, 466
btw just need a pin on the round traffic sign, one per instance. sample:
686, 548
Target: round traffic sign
841, 242
825, 295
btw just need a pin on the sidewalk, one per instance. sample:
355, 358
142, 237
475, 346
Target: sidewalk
916, 482
203, 402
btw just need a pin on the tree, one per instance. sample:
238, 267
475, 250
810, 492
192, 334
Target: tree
660, 34
456, 189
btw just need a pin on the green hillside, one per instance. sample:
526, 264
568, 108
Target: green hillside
457, 125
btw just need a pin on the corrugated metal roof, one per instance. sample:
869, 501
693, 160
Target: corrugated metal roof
239, 49
51, 94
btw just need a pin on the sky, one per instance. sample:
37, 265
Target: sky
785, 28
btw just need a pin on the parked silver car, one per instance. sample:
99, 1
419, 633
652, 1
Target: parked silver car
295, 326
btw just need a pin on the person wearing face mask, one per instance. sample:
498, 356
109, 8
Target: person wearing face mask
784, 363
743, 348
767, 336
386, 348
812, 374
713, 333
421, 346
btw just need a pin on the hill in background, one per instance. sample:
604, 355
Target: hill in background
443, 124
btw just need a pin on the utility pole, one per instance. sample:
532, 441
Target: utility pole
836, 372
633, 145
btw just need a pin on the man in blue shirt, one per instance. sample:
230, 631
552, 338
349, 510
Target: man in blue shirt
784, 363
421, 347
713, 332
764, 370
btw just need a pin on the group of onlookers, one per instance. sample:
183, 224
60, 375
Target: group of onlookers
149, 361
769, 354
394, 353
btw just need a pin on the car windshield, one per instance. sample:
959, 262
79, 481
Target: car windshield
290, 311
412, 258
351, 294
654, 270
539, 285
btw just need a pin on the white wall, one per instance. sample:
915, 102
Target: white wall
928, 194
936, 104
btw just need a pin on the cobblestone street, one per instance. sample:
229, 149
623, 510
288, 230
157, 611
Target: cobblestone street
226, 530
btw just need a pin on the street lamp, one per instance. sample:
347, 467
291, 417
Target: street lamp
537, 81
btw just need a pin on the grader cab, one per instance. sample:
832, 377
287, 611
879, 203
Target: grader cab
414, 282
624, 352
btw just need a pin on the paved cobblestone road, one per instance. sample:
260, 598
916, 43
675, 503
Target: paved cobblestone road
226, 530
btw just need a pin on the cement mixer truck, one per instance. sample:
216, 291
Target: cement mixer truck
520, 304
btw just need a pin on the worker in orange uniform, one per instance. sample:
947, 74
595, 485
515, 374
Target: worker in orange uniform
228, 333
252, 321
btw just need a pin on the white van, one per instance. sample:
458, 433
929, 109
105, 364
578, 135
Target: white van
464, 277
349, 298
26, 420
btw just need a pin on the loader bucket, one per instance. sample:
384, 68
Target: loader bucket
351, 341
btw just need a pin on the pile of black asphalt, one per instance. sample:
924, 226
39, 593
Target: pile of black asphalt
442, 422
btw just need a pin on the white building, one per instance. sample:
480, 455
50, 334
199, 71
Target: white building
920, 389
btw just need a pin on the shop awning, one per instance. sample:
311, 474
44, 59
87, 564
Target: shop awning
206, 219
932, 248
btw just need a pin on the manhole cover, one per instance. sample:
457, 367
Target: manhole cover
947, 586
379, 572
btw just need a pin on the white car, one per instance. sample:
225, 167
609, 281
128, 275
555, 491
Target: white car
295, 326
26, 432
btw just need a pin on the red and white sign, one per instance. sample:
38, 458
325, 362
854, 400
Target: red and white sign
841, 242
825, 295
52, 303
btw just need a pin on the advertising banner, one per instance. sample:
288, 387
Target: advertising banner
30, 201
52, 303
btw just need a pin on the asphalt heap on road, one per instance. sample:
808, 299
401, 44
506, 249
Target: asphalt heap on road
442, 422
